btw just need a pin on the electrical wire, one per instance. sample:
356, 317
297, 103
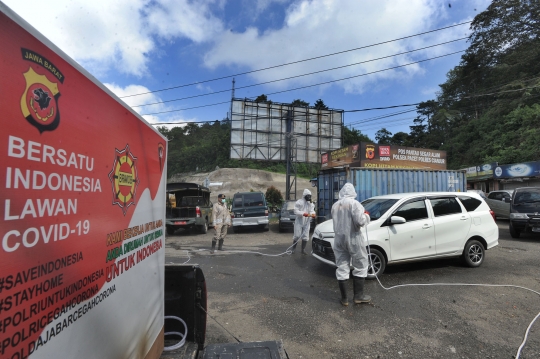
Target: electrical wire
300, 61
297, 76
333, 81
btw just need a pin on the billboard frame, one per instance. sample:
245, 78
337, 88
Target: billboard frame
259, 130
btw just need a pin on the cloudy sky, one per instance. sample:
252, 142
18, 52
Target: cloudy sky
179, 56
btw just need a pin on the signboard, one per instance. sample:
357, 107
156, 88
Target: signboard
371, 155
526, 169
259, 131
82, 191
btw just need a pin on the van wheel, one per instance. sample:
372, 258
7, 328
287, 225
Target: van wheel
379, 264
474, 253
514, 232
171, 230
204, 228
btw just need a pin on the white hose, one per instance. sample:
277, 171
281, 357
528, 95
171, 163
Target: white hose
183, 336
457, 284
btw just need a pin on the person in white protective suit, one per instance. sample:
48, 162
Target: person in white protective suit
304, 210
350, 247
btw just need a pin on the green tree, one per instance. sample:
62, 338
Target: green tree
273, 197
383, 137
352, 136
319, 105
262, 98
300, 103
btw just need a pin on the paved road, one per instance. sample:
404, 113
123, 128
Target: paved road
295, 299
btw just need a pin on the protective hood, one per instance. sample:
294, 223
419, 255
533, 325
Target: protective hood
306, 193
347, 191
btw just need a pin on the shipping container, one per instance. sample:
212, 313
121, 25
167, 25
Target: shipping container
370, 182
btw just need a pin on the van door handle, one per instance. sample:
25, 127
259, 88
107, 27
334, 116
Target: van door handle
464, 218
426, 226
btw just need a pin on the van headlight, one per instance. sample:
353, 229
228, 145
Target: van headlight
518, 216
317, 233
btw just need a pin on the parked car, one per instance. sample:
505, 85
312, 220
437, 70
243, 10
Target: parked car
499, 202
419, 226
479, 192
287, 216
525, 211
249, 210
188, 206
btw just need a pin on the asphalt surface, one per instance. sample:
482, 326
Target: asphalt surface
295, 298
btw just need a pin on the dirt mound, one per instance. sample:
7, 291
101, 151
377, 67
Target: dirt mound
231, 180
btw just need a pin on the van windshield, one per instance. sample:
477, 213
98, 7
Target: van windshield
527, 196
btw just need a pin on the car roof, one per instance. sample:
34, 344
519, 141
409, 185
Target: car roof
420, 194
503, 190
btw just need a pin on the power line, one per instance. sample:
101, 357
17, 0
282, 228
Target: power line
332, 81
302, 75
299, 61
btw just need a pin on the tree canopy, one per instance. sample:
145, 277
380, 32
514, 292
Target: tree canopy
487, 110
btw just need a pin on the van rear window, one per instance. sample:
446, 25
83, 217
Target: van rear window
469, 203
249, 200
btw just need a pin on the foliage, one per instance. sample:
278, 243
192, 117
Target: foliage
319, 105
352, 136
273, 196
487, 110
262, 98
300, 103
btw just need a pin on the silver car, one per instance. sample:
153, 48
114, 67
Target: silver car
499, 202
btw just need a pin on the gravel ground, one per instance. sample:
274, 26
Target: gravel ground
295, 298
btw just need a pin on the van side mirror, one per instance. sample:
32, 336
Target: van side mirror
506, 200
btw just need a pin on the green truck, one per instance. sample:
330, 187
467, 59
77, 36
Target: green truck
188, 206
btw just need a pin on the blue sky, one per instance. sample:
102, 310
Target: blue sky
138, 46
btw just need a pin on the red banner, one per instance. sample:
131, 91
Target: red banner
81, 186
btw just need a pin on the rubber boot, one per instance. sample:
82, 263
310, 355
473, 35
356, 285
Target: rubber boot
359, 296
294, 246
304, 243
213, 247
343, 289
220, 246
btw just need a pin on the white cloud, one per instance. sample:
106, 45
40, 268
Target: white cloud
182, 18
316, 27
145, 99
119, 34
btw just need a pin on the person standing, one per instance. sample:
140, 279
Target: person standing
348, 216
304, 211
222, 221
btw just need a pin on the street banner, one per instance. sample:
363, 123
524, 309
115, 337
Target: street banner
370, 155
517, 170
82, 206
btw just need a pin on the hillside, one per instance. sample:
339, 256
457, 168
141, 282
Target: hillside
231, 180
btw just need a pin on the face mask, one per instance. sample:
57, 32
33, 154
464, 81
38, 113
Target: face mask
223, 200
307, 198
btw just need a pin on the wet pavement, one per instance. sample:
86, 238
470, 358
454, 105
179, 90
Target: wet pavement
256, 294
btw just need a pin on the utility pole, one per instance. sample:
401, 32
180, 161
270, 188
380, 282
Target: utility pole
290, 149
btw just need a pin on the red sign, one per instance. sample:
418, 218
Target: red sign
384, 151
82, 204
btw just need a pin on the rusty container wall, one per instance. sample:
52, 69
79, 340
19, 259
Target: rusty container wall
370, 182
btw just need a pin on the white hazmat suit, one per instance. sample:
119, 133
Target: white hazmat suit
349, 244
302, 223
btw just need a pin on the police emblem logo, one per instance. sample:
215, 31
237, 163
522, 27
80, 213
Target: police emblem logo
39, 101
370, 152
124, 179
